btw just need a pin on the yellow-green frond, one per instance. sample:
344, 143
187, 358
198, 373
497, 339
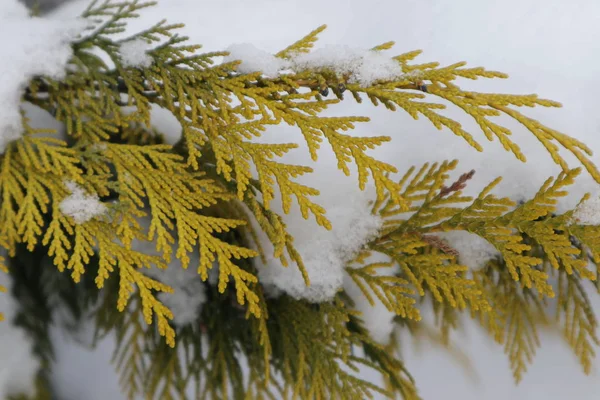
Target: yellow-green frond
303, 45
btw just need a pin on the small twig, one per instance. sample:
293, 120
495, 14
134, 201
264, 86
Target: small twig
460, 184
439, 243
431, 240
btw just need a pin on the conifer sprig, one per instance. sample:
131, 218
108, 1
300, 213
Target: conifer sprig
214, 189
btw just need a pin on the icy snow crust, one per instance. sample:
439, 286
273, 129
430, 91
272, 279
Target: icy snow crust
361, 66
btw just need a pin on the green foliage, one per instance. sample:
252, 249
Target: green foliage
203, 193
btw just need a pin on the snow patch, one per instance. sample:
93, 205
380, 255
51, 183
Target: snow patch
473, 251
134, 53
40, 47
588, 212
81, 206
189, 292
254, 59
377, 318
166, 123
324, 253
361, 66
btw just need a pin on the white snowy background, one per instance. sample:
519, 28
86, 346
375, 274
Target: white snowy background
548, 47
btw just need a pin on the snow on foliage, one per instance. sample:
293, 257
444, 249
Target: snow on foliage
254, 59
189, 292
166, 123
473, 251
41, 47
324, 253
377, 317
134, 53
81, 206
361, 66
588, 212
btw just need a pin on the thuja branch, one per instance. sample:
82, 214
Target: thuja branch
40, 87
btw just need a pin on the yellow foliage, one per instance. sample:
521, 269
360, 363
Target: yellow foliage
303, 45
